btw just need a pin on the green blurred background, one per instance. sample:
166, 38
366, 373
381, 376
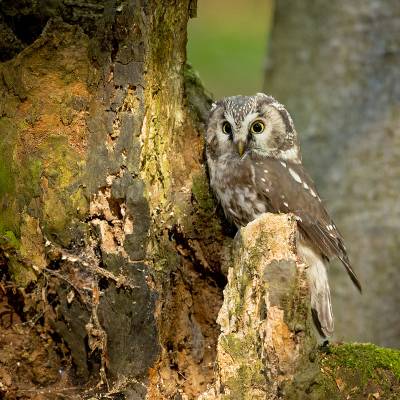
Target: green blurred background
227, 44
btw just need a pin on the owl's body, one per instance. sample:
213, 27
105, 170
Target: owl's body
255, 167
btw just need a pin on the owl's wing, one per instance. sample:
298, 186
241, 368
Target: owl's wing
286, 187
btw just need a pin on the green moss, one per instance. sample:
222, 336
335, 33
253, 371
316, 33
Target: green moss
21, 274
249, 374
247, 379
21, 174
63, 199
19, 178
26, 251
7, 142
9, 216
242, 283
365, 358
348, 371
54, 212
80, 202
243, 277
354, 370
29, 173
32, 242
238, 348
35, 172
201, 192
6, 175
62, 163
11, 239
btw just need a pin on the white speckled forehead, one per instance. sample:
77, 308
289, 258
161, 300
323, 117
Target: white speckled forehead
237, 108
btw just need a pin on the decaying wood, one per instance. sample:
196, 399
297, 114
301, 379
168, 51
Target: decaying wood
265, 319
110, 244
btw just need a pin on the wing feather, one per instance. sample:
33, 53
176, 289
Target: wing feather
286, 187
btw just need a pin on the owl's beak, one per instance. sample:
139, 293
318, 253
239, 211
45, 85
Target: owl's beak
240, 147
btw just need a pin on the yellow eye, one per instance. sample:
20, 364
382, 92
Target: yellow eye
257, 127
227, 128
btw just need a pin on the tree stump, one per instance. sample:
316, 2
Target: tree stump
267, 335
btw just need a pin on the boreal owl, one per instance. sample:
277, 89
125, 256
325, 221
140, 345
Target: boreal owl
255, 167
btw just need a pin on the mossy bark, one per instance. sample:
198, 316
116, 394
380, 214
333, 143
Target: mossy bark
110, 246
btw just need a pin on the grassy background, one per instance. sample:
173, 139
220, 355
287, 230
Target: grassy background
227, 44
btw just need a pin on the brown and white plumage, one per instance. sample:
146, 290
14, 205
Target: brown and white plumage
255, 167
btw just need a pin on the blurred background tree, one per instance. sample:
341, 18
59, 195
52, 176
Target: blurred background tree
335, 66
227, 44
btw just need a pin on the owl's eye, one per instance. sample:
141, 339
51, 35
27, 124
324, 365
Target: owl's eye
257, 127
227, 128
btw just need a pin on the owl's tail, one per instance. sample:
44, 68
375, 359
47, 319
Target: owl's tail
321, 306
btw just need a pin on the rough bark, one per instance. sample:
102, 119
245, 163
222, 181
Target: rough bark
335, 66
110, 246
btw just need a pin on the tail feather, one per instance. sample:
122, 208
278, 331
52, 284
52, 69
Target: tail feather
321, 305
351, 273
321, 299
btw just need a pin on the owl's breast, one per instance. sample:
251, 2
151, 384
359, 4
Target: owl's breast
234, 185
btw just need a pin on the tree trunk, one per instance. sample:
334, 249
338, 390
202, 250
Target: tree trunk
335, 66
110, 243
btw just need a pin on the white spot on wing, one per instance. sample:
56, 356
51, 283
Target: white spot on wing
286, 204
283, 163
266, 171
291, 155
313, 194
295, 175
263, 179
305, 185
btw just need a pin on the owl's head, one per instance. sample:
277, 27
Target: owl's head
241, 124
